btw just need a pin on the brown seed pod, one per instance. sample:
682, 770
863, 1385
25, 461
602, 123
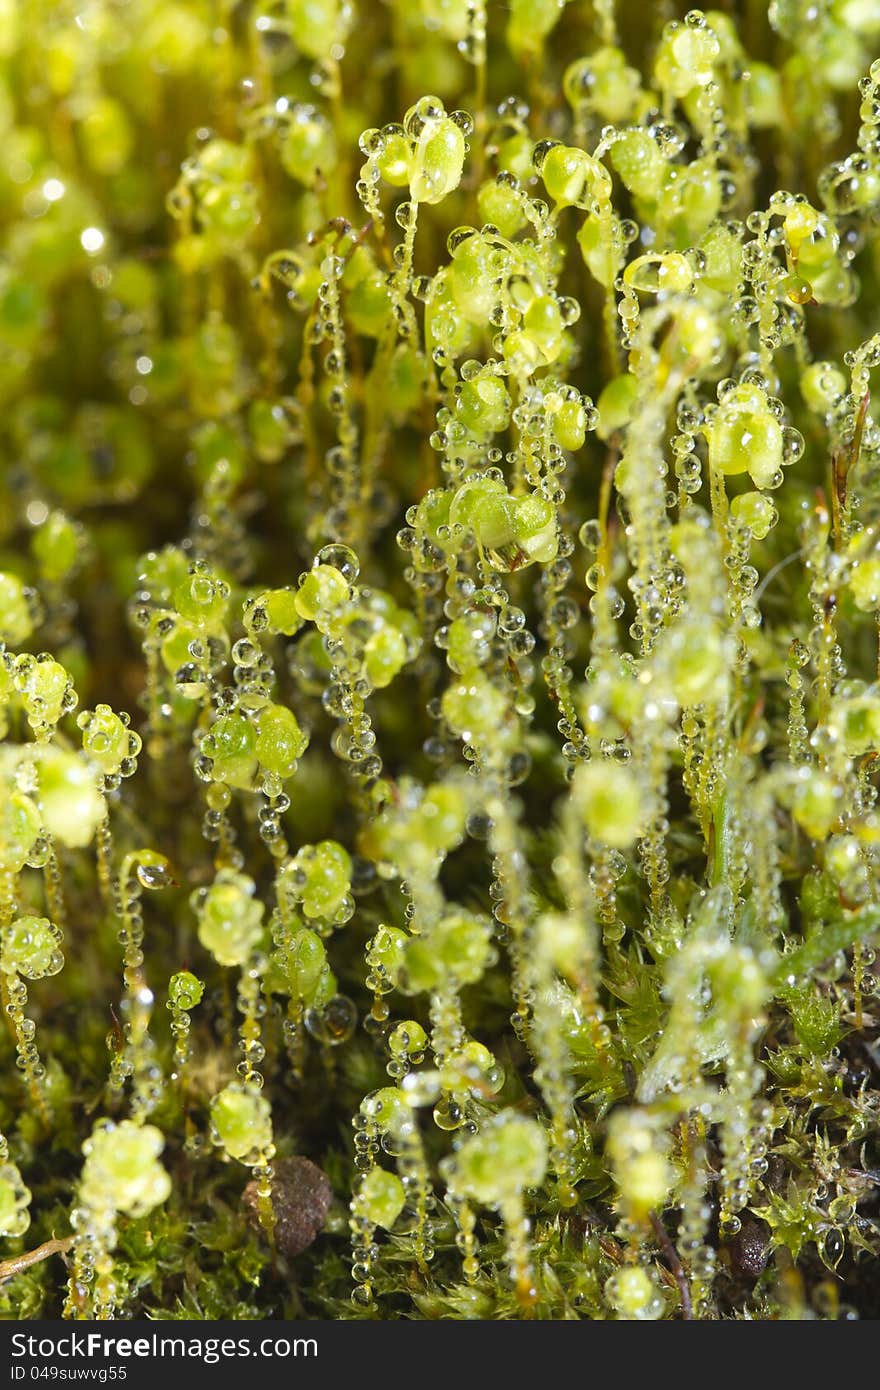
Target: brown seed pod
301, 1195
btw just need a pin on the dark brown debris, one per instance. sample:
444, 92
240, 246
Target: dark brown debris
301, 1195
749, 1250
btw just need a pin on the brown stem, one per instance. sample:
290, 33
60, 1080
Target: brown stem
18, 1263
671, 1256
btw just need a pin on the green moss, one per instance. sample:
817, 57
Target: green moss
474, 501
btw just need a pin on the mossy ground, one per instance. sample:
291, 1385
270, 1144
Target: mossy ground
523, 464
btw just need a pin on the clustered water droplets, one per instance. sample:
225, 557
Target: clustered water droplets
450, 434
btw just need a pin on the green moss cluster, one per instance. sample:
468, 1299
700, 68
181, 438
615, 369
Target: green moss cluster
439, 694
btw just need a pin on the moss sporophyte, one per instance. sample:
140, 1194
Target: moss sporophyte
448, 431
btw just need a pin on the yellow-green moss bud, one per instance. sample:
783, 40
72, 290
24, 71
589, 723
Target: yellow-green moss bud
610, 799
241, 1122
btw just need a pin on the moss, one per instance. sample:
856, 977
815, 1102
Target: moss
439, 702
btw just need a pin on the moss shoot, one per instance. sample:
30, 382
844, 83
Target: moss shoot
439, 678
